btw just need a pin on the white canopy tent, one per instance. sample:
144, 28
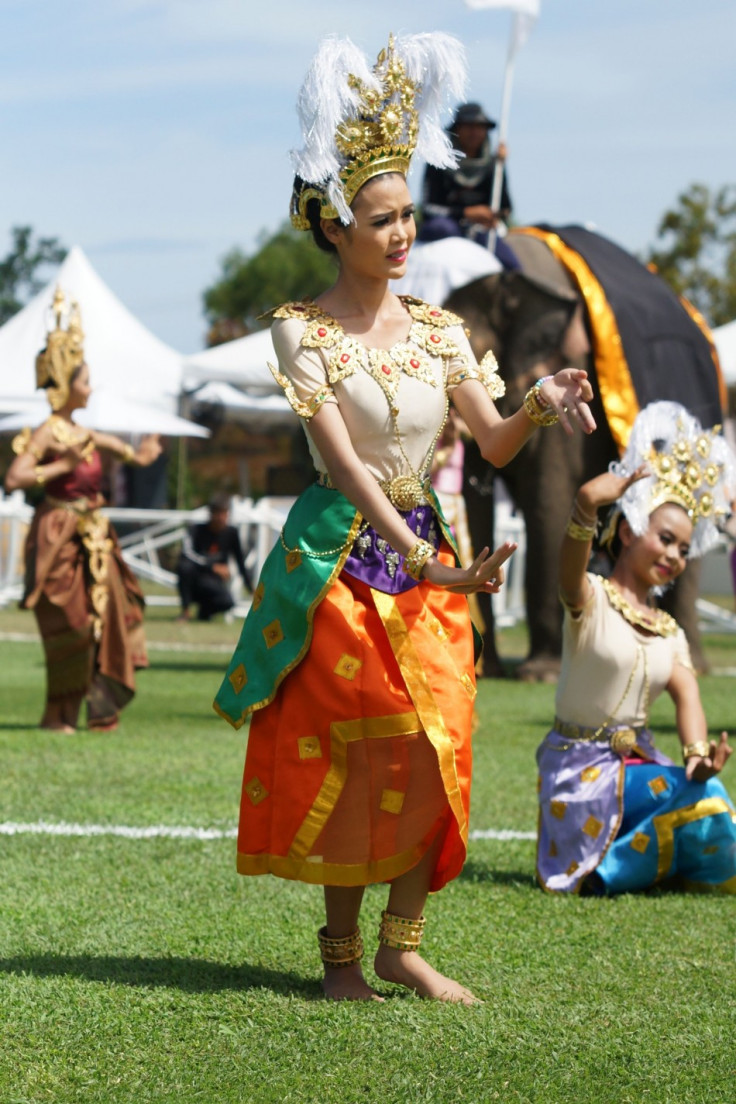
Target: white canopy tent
263, 411
109, 413
126, 360
243, 362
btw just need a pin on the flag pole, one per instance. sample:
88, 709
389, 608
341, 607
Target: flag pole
498, 167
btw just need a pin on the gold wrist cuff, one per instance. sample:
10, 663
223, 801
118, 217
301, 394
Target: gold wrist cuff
417, 557
580, 532
700, 748
40, 475
540, 412
128, 456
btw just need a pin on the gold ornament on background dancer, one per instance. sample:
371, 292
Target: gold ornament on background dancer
689, 466
63, 354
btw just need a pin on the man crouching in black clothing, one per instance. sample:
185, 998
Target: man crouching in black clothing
203, 568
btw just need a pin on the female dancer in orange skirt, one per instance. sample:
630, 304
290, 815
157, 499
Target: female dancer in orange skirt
356, 661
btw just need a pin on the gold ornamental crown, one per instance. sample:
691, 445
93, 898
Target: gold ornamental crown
359, 122
687, 474
689, 466
63, 354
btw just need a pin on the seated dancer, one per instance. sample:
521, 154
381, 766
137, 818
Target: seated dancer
615, 813
87, 601
203, 571
356, 660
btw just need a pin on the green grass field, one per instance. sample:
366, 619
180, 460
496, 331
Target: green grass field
146, 970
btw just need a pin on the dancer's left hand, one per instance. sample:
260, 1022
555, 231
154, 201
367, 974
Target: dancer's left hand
701, 768
569, 392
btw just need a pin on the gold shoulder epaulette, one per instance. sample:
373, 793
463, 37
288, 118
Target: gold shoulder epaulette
429, 314
304, 309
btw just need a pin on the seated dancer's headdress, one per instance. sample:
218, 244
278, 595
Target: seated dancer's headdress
63, 355
359, 122
690, 466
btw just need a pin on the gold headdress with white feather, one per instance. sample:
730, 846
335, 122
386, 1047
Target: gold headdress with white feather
359, 122
63, 354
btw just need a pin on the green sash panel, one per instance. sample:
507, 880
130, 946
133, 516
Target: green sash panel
318, 535
300, 569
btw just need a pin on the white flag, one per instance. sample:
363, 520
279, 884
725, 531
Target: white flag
528, 7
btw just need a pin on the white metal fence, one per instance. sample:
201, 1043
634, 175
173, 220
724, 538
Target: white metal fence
144, 533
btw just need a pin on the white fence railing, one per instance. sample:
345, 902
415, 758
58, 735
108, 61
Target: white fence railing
146, 532
143, 533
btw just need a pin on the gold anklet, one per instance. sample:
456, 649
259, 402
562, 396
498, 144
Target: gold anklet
400, 932
345, 951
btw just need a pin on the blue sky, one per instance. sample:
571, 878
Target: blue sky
155, 133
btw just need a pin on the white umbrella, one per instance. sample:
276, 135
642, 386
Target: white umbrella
435, 269
725, 342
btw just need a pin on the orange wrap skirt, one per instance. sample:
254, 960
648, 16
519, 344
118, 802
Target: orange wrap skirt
364, 755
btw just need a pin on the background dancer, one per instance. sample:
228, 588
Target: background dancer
87, 602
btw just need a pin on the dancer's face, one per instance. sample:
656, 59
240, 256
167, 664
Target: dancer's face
377, 245
80, 389
659, 556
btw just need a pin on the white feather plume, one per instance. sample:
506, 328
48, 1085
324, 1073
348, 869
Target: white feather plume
660, 425
324, 101
437, 62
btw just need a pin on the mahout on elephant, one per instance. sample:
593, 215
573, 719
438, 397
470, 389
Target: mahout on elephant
579, 298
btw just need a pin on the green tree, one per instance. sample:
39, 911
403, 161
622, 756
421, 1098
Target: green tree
288, 265
697, 255
18, 271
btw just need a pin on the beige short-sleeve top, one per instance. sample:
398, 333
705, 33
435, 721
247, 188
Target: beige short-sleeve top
611, 671
379, 392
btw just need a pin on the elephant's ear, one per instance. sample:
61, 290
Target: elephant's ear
541, 268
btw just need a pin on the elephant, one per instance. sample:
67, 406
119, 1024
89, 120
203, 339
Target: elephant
578, 299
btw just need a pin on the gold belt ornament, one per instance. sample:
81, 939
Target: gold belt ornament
405, 492
622, 738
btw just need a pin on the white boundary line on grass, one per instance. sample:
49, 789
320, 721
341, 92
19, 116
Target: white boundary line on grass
151, 645
162, 831
224, 649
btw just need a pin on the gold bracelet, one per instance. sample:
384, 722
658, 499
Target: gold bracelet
40, 475
417, 557
128, 456
700, 748
580, 532
540, 412
582, 516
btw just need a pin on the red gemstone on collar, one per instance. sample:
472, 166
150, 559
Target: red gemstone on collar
435, 338
414, 363
435, 314
345, 358
385, 369
322, 331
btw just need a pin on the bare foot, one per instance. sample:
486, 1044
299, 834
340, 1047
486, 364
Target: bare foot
347, 983
409, 969
68, 730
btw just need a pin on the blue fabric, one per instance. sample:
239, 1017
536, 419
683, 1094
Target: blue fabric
671, 827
